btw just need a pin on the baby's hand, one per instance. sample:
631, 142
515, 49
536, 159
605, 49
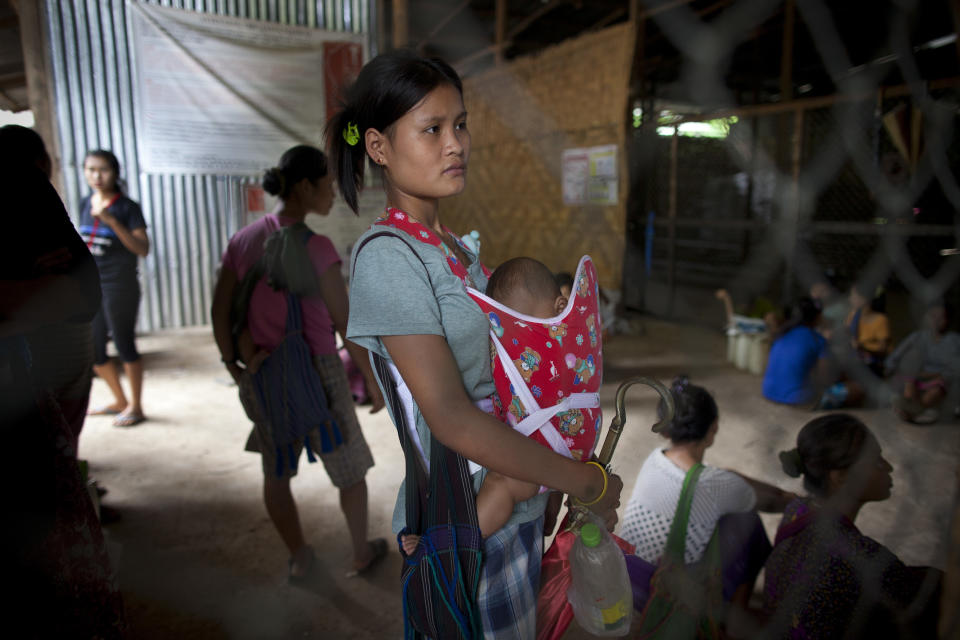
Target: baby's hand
258, 359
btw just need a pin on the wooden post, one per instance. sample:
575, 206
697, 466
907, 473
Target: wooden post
787, 143
401, 23
501, 30
381, 19
786, 52
793, 208
39, 90
955, 9
672, 216
949, 615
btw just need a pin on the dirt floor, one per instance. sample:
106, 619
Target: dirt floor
198, 558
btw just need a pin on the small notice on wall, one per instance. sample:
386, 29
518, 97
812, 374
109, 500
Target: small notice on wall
590, 175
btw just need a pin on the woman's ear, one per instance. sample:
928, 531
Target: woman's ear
375, 144
560, 304
301, 190
835, 479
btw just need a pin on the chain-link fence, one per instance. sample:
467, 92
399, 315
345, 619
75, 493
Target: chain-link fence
854, 190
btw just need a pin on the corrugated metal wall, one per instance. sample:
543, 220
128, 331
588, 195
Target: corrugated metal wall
190, 217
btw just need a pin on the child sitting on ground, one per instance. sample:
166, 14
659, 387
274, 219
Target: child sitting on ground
925, 366
527, 288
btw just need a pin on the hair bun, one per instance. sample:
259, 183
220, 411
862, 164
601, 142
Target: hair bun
792, 463
273, 181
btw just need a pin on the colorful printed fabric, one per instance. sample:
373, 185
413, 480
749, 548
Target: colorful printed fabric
560, 397
400, 220
825, 579
548, 372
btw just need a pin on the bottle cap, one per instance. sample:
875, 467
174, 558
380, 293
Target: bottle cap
590, 534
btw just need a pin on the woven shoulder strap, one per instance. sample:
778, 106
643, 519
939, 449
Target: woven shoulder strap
677, 540
426, 503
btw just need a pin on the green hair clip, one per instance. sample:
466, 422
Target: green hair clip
350, 134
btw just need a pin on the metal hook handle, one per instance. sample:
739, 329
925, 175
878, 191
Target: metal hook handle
578, 515
619, 420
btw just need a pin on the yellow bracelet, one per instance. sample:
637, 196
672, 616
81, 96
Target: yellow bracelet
602, 493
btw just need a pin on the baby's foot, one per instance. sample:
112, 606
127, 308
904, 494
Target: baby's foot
409, 544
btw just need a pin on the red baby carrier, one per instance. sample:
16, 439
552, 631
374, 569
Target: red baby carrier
548, 371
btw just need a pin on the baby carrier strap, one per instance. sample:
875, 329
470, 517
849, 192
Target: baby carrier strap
441, 579
539, 418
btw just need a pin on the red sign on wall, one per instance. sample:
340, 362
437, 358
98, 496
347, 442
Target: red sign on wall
255, 203
342, 62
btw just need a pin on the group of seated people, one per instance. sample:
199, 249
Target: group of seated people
823, 577
814, 362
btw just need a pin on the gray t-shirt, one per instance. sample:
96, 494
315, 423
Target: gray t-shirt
391, 294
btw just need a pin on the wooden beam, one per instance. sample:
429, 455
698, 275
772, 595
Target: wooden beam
500, 32
521, 26
662, 7
608, 19
816, 102
13, 81
444, 21
476, 55
401, 23
36, 63
8, 103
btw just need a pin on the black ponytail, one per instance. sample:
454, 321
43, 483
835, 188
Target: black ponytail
388, 87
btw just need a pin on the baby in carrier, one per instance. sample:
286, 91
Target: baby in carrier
545, 352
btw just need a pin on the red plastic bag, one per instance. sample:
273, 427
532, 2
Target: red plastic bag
554, 613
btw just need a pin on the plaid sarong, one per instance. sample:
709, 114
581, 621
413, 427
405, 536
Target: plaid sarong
510, 581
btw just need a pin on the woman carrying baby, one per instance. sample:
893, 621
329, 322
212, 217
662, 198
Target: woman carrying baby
409, 305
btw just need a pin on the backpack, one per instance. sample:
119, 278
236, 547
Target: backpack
288, 388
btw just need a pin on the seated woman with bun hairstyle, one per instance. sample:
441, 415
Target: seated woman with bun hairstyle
824, 578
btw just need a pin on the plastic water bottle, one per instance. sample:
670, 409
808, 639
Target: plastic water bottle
472, 240
601, 595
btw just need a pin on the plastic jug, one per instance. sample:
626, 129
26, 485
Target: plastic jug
601, 594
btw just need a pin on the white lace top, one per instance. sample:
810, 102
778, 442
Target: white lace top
649, 514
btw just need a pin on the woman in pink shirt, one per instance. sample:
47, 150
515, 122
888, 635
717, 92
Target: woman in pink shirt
302, 183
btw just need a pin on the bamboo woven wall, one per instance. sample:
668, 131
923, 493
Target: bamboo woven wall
522, 116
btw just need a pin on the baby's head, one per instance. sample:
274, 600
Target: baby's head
526, 285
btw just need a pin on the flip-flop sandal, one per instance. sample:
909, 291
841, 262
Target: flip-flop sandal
128, 420
907, 409
103, 411
379, 546
927, 416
